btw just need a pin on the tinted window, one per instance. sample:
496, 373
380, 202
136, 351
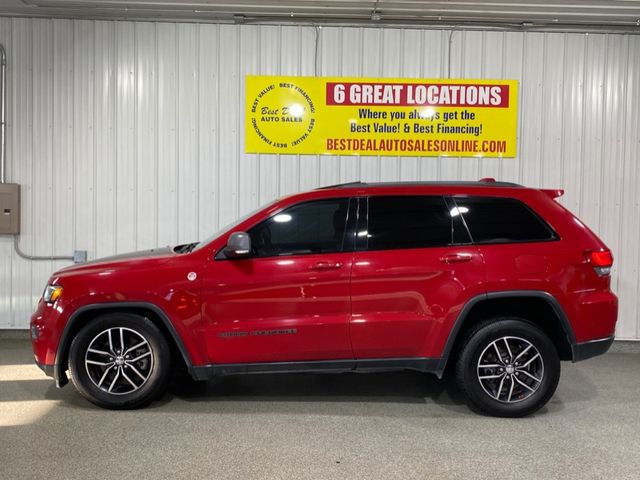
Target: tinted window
310, 227
500, 220
409, 222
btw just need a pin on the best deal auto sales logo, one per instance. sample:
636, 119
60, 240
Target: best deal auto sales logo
283, 115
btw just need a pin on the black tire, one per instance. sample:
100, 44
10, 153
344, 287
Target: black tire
149, 373
489, 395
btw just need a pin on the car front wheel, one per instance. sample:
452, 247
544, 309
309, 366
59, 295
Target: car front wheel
120, 361
508, 367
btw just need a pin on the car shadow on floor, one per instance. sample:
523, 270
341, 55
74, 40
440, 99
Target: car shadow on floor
405, 387
314, 393
391, 394
297, 392
380, 392
346, 393
343, 393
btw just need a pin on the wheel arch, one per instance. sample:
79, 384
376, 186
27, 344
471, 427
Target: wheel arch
84, 314
539, 307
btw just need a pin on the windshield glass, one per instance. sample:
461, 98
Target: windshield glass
228, 227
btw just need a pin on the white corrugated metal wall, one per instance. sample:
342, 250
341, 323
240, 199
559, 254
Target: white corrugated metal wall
130, 135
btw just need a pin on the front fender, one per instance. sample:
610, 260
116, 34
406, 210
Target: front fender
79, 316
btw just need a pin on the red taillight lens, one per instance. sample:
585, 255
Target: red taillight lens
602, 260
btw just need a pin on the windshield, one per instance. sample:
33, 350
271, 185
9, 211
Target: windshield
228, 227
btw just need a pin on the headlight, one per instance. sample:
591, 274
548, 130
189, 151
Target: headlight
52, 293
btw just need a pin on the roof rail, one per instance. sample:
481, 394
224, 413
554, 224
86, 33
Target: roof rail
342, 185
484, 182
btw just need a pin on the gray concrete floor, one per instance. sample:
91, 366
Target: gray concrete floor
368, 426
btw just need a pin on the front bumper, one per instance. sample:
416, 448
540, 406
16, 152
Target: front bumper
54, 372
45, 340
592, 348
47, 369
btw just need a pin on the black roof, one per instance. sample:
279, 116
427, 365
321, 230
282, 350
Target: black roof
480, 183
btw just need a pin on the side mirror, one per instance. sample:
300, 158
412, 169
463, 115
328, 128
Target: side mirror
238, 245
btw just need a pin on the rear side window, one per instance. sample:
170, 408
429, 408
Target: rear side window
502, 220
397, 222
310, 227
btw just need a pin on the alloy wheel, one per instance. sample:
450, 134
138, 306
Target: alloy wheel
119, 360
510, 369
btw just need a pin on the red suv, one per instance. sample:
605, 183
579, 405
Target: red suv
492, 280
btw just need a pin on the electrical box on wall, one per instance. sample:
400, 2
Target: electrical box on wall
9, 208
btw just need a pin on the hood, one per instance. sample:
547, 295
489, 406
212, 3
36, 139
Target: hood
122, 260
154, 252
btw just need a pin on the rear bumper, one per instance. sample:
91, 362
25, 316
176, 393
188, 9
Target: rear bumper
593, 314
592, 348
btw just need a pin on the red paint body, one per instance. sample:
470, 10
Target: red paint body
361, 304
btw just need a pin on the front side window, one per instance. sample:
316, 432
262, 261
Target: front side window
397, 222
310, 227
502, 220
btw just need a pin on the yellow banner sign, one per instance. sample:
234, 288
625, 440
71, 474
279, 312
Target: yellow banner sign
373, 116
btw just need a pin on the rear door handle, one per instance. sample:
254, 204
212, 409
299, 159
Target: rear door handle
326, 266
456, 258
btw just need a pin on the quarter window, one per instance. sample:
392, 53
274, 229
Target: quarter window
310, 227
502, 220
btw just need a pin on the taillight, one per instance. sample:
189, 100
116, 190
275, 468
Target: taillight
602, 260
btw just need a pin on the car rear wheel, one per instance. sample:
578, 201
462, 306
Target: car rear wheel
508, 367
120, 361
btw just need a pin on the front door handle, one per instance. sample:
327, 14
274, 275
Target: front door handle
326, 266
456, 258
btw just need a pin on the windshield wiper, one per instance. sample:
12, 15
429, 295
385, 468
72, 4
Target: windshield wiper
186, 248
191, 246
